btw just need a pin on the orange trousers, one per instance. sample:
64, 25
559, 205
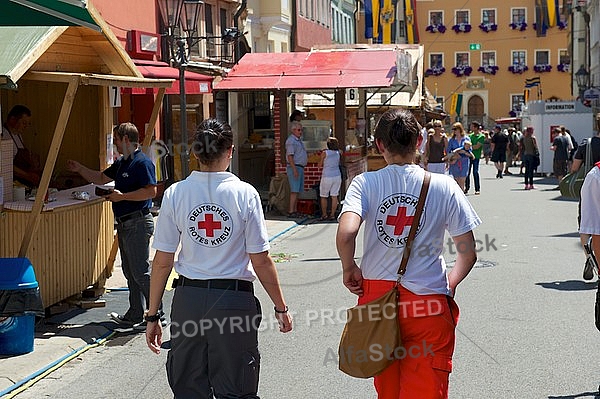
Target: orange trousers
427, 329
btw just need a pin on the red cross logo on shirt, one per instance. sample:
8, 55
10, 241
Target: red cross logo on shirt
209, 225
400, 221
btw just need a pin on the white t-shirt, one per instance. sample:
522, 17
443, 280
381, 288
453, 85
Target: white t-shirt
590, 203
385, 200
219, 220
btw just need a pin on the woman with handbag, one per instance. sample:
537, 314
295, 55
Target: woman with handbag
530, 155
385, 202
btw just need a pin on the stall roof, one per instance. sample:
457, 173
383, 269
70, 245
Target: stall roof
46, 13
17, 48
318, 70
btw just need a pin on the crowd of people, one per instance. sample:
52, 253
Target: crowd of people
459, 153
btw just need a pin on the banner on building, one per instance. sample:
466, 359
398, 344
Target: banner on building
410, 16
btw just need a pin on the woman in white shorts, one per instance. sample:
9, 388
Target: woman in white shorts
331, 178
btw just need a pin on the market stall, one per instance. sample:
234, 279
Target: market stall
370, 70
70, 78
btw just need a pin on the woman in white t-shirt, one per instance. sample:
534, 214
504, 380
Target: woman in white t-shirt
218, 222
331, 178
383, 202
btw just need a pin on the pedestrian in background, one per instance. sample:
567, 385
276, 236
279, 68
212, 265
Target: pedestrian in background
219, 224
435, 150
499, 146
560, 146
296, 158
368, 203
459, 154
135, 186
331, 178
529, 153
477, 141
487, 147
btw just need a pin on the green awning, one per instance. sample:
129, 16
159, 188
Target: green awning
17, 44
46, 13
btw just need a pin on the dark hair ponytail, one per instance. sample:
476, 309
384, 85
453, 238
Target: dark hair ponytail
398, 131
211, 140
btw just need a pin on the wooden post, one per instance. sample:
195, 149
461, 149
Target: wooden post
339, 126
59, 132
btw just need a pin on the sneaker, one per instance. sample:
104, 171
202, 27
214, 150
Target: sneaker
531, 187
477, 193
527, 187
122, 320
588, 270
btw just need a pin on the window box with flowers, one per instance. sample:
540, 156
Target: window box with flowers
542, 67
518, 68
489, 27
489, 69
518, 26
462, 70
563, 67
462, 27
436, 28
435, 71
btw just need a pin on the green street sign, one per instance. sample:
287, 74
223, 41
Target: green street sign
475, 46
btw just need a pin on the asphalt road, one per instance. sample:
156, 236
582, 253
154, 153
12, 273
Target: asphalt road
526, 328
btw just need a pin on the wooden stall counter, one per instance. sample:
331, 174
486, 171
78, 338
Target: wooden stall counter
70, 249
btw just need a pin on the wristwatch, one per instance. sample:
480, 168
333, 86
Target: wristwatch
151, 318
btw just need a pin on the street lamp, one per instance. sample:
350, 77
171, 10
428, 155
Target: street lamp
582, 77
185, 13
180, 17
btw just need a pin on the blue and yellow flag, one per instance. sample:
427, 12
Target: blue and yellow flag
553, 12
380, 20
410, 13
371, 19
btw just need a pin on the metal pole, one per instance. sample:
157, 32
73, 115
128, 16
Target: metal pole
183, 110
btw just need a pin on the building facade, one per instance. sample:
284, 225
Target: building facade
480, 59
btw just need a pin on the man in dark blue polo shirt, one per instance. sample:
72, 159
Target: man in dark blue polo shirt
135, 186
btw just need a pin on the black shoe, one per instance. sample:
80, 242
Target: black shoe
588, 270
122, 320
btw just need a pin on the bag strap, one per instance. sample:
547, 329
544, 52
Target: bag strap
588, 155
415, 224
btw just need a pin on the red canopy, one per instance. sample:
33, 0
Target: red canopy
335, 69
195, 83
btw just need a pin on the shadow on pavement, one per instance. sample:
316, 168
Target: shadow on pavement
594, 395
570, 285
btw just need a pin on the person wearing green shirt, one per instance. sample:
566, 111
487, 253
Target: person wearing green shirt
477, 139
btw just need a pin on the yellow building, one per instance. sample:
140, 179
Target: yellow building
484, 53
